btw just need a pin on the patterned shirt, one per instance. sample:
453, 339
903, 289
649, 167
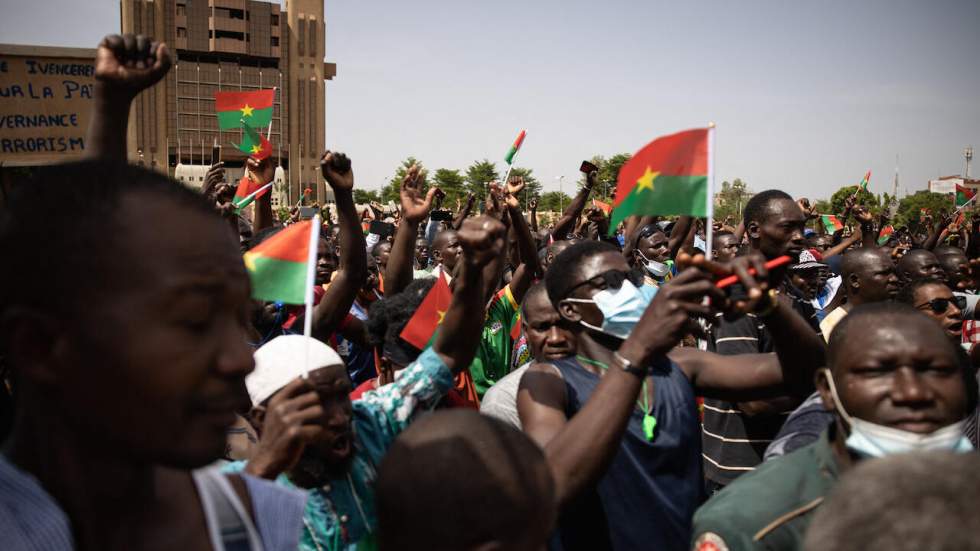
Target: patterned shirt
341, 513
493, 357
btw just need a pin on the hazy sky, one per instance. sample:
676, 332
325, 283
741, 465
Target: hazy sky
807, 96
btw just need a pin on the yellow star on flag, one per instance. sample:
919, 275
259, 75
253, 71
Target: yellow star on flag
256, 149
249, 259
646, 181
441, 315
247, 111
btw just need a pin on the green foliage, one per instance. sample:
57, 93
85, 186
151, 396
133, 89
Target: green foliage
364, 196
864, 198
451, 182
553, 201
478, 175
608, 175
731, 199
390, 191
910, 206
282, 214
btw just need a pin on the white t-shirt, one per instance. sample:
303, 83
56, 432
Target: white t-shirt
500, 401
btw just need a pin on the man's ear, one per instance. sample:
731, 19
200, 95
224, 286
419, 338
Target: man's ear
35, 344
752, 230
823, 387
256, 417
435, 254
569, 311
853, 281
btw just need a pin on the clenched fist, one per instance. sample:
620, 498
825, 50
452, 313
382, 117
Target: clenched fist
130, 63
482, 240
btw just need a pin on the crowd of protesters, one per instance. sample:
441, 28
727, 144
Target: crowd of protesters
585, 389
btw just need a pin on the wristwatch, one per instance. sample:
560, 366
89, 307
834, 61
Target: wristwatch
628, 366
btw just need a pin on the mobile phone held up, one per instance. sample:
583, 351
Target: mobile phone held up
588, 167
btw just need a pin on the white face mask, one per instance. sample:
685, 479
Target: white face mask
873, 440
656, 269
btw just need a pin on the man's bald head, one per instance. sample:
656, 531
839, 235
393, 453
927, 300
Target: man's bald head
869, 275
920, 264
456, 479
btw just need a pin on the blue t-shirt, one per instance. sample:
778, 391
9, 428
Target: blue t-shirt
648, 494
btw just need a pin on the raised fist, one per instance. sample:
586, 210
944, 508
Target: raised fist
130, 63
337, 171
482, 239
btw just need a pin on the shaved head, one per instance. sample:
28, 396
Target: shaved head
456, 479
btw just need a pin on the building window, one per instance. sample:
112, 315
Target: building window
181, 9
275, 41
301, 36
181, 32
313, 45
274, 19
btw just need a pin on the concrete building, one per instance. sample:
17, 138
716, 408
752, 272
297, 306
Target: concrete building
233, 45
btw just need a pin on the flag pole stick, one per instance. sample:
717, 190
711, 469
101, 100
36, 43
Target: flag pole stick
268, 133
966, 204
710, 210
251, 196
310, 281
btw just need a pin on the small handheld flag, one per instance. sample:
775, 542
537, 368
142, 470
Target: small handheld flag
831, 223
248, 191
423, 324
604, 207
885, 234
668, 176
254, 107
278, 266
509, 157
864, 182
964, 195
254, 144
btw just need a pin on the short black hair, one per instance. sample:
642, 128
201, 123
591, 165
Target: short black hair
456, 479
57, 230
375, 250
906, 295
533, 291
757, 209
562, 272
388, 317
853, 262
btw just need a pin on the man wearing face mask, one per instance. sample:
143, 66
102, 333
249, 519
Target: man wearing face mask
735, 434
618, 420
896, 384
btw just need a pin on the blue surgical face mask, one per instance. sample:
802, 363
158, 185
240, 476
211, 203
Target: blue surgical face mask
656, 269
872, 440
621, 309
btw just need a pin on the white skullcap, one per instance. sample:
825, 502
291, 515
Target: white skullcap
280, 360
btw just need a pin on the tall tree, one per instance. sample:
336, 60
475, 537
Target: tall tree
362, 196
532, 187
910, 207
608, 174
730, 200
553, 201
452, 183
478, 175
390, 191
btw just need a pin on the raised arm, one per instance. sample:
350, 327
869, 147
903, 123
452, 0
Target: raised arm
572, 213
680, 234
481, 240
521, 282
263, 172
867, 221
415, 207
351, 274
579, 449
124, 66
844, 244
532, 206
464, 213
934, 233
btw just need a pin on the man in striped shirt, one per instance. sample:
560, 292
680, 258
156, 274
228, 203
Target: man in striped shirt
735, 435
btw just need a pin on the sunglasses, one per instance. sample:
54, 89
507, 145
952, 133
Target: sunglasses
940, 305
613, 279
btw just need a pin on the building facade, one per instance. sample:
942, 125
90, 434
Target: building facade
232, 45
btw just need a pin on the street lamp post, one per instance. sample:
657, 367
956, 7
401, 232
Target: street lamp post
561, 196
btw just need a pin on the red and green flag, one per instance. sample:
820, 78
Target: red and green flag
831, 223
964, 195
255, 108
421, 327
668, 176
864, 182
248, 191
885, 234
604, 207
278, 267
509, 157
254, 144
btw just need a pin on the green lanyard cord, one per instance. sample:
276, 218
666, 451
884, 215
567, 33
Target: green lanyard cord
643, 402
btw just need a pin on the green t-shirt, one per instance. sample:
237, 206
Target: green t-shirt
492, 359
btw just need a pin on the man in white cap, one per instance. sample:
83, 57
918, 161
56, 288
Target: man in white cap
312, 436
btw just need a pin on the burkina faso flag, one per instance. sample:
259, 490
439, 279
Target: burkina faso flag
831, 223
422, 326
255, 108
248, 191
278, 265
963, 195
668, 176
254, 144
